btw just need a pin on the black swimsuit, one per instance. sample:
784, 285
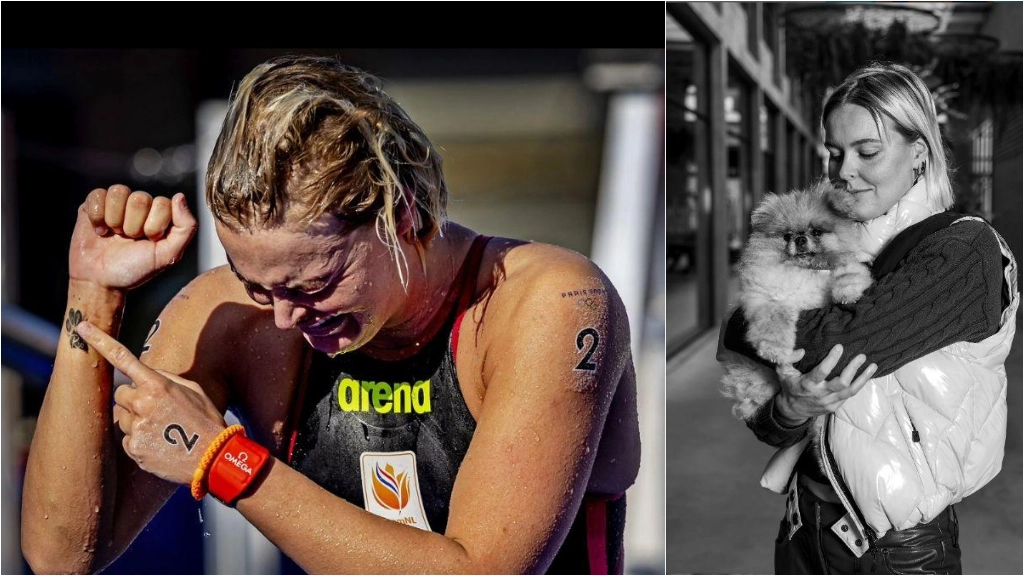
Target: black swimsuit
358, 413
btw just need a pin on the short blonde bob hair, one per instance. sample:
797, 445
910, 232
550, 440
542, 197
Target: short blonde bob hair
307, 136
894, 92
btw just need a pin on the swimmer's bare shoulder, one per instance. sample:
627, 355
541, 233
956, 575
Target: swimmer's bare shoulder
548, 346
214, 334
560, 287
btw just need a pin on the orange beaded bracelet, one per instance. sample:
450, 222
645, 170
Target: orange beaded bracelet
199, 477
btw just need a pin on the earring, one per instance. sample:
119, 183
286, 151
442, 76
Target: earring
918, 172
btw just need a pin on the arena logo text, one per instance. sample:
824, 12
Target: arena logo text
384, 398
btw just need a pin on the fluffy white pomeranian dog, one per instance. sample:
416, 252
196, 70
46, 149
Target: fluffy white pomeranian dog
801, 255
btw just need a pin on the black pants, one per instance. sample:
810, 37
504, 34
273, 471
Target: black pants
930, 548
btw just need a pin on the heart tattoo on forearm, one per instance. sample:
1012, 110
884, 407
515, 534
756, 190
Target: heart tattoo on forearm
74, 317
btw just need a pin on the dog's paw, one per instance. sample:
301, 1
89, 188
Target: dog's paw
775, 350
851, 280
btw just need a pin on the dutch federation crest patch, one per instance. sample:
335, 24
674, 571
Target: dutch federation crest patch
391, 487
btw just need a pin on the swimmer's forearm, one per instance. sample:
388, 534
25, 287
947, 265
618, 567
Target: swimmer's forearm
69, 480
325, 534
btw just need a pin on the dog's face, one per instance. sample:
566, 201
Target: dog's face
800, 225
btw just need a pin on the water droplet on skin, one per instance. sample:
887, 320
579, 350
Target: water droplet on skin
586, 449
63, 467
96, 364
206, 534
96, 509
46, 516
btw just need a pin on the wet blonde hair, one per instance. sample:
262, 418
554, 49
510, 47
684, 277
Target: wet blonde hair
894, 92
307, 136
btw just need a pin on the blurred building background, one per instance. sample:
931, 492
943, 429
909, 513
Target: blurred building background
744, 86
561, 146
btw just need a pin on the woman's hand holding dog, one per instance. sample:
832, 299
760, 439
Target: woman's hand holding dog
805, 396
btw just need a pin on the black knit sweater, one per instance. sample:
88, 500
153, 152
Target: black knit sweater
935, 284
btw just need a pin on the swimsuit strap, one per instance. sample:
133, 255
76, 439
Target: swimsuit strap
462, 289
596, 510
467, 288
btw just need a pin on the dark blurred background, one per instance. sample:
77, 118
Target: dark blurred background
529, 140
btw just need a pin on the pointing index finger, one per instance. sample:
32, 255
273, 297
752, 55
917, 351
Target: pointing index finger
116, 353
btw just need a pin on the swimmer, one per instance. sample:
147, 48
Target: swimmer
417, 397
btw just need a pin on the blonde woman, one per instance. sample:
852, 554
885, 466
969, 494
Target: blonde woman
923, 425
417, 397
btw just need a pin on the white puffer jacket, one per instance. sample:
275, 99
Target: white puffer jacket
953, 402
